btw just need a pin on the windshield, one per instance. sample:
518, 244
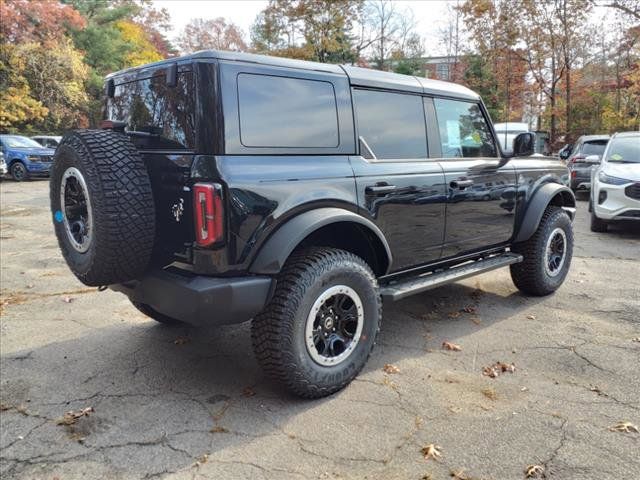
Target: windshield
16, 141
594, 148
624, 150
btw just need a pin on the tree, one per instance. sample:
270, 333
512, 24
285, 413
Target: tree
217, 34
628, 7
384, 20
42, 21
56, 77
451, 38
142, 51
18, 107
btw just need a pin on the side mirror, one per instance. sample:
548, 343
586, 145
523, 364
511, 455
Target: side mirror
592, 159
523, 144
565, 153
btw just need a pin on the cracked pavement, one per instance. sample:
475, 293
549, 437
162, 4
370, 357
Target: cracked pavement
201, 408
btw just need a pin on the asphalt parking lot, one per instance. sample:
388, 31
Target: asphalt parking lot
190, 403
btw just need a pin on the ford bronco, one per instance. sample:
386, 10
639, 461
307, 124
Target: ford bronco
226, 187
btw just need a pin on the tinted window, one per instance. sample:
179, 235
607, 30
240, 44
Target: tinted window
392, 124
463, 130
594, 148
286, 112
149, 106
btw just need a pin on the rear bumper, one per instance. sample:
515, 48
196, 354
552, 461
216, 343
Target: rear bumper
200, 300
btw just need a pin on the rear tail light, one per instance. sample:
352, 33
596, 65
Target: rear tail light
573, 174
207, 208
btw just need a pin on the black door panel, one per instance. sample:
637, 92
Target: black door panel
406, 200
480, 204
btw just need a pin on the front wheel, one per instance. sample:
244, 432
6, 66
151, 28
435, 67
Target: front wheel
318, 330
547, 255
19, 172
597, 224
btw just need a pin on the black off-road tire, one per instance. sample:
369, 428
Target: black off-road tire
122, 206
278, 333
157, 316
530, 275
596, 224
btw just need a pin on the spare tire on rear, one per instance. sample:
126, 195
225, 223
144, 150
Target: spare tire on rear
102, 205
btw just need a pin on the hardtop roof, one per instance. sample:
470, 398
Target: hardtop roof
358, 76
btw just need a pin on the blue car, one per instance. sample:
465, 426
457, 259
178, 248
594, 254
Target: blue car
25, 157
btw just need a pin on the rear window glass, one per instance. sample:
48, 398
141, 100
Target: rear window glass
593, 148
391, 124
283, 112
150, 107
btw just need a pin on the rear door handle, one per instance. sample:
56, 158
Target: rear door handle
379, 189
460, 183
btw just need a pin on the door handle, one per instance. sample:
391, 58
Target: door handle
379, 189
461, 184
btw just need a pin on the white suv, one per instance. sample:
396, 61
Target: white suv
615, 183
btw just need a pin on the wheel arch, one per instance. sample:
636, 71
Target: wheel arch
547, 194
327, 227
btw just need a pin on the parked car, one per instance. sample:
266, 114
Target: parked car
49, 141
226, 187
508, 131
582, 157
616, 182
3, 165
25, 157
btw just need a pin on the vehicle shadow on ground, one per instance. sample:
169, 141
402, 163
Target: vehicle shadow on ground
174, 394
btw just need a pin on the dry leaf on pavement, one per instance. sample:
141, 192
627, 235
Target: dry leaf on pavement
218, 429
497, 368
459, 475
70, 417
470, 309
67, 299
531, 317
248, 392
181, 340
534, 471
388, 368
454, 314
626, 427
451, 346
431, 451
637, 339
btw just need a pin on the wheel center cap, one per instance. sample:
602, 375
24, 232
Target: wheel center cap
328, 323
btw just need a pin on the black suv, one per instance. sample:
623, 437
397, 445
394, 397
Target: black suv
226, 187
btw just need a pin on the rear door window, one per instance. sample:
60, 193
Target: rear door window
391, 124
286, 112
464, 132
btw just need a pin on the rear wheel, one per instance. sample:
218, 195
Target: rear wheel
318, 330
19, 172
547, 254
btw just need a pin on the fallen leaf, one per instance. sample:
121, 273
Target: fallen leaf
626, 427
637, 339
490, 393
451, 346
30, 285
388, 368
248, 392
427, 476
459, 475
454, 314
470, 309
67, 299
497, 368
22, 409
531, 317
4, 406
431, 451
202, 459
476, 320
218, 429
181, 340
70, 417
534, 471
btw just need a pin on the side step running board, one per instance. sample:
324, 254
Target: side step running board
399, 290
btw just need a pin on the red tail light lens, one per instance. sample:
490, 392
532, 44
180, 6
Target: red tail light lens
207, 208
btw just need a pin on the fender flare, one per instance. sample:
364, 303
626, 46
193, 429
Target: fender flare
538, 204
275, 251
